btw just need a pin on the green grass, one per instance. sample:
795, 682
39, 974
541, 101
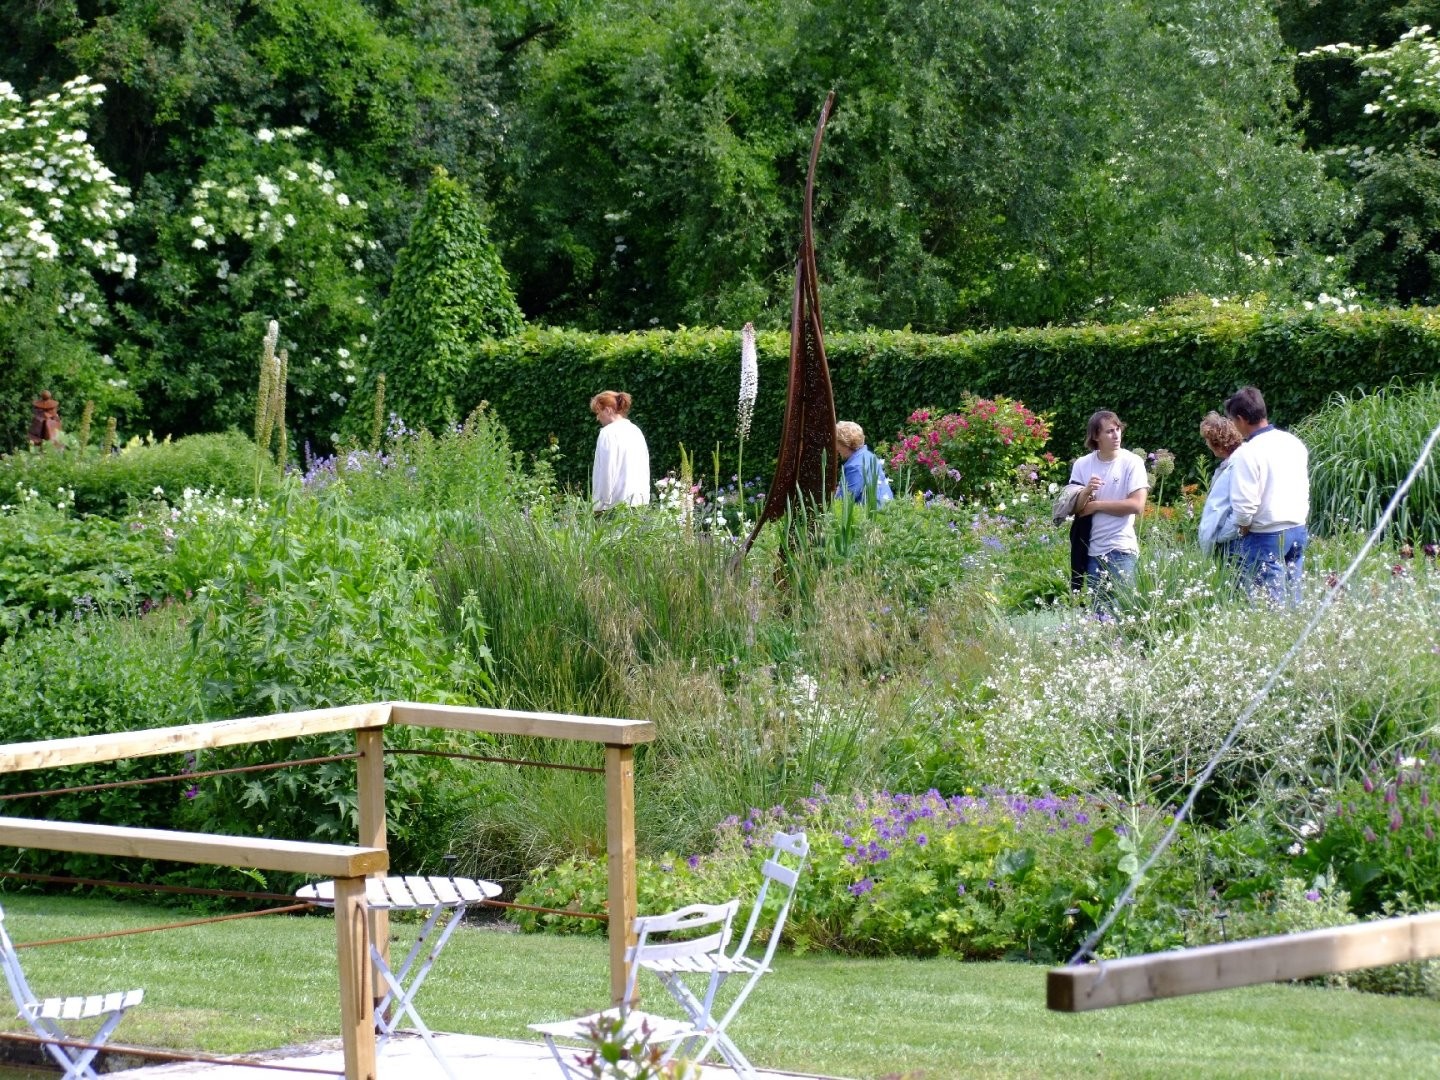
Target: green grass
257, 984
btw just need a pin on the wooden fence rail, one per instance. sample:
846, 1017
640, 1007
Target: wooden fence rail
355, 925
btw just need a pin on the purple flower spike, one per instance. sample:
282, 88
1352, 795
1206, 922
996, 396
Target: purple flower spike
1313, 895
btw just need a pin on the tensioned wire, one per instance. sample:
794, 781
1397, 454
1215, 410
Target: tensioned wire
1087, 948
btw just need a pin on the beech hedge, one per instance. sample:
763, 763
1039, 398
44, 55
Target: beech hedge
1161, 374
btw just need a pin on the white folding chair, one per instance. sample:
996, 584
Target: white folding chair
44, 1014
781, 870
635, 1024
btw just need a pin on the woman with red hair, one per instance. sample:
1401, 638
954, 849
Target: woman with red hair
621, 476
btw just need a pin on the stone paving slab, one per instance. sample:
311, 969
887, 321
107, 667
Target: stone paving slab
405, 1058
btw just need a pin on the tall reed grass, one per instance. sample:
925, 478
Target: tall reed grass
1361, 449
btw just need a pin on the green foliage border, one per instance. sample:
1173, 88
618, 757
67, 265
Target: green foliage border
1161, 374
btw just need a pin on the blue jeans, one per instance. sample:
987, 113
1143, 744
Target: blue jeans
1273, 562
1110, 573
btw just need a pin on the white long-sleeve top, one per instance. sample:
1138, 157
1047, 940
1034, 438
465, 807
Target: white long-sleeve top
621, 475
1270, 482
1217, 518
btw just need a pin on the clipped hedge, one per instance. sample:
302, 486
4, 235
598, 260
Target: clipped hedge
1161, 374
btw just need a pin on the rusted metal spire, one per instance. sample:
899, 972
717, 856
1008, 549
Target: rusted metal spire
808, 466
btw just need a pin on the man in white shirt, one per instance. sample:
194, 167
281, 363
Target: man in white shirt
1270, 496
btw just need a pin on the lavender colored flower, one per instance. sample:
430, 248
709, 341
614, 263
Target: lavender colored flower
1313, 895
861, 887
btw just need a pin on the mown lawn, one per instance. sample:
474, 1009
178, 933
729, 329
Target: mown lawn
263, 983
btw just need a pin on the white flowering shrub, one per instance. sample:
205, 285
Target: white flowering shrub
57, 201
266, 232
1408, 71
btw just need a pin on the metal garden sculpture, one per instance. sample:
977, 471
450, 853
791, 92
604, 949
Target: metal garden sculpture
808, 465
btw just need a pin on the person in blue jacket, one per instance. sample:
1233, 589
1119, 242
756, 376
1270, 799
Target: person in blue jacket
860, 471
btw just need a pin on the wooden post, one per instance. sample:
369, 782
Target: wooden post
357, 1000
370, 804
620, 845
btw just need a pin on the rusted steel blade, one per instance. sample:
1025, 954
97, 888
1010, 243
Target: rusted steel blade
807, 467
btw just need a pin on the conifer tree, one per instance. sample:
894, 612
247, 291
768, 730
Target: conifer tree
449, 291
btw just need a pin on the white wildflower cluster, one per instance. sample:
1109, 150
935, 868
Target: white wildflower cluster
25, 497
1090, 708
1345, 302
676, 498
57, 201
30, 499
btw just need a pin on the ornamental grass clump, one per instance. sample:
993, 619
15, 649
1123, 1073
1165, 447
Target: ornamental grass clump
973, 452
1361, 448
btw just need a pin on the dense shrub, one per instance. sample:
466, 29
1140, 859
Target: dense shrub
1361, 449
466, 467
1380, 837
52, 562
111, 484
92, 676
1161, 374
980, 877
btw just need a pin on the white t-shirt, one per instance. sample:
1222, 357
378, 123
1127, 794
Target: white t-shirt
622, 466
1119, 477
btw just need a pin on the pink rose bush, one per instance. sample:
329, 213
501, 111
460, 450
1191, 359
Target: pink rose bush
976, 452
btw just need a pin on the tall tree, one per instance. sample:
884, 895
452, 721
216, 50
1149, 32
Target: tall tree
990, 163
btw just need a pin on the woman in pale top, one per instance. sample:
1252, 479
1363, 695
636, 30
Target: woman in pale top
621, 476
1115, 487
1217, 518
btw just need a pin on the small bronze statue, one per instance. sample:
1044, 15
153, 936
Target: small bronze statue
45, 421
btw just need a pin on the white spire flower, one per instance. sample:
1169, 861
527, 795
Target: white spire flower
749, 381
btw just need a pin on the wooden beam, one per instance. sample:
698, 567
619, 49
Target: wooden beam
1243, 963
254, 852
357, 989
370, 810
510, 722
620, 846
53, 753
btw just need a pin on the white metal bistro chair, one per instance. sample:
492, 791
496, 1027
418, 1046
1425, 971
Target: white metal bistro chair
45, 1014
656, 1030
779, 875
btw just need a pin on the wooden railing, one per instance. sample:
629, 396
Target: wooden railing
355, 925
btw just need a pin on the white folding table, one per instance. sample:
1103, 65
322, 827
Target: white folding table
437, 895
